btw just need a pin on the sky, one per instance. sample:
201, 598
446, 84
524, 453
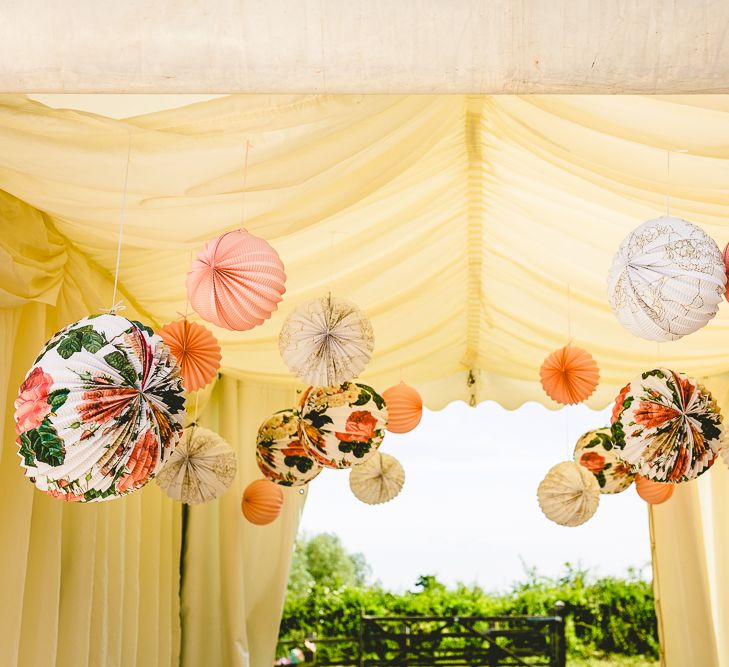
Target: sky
468, 511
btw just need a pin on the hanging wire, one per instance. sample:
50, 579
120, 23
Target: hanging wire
122, 214
668, 176
249, 145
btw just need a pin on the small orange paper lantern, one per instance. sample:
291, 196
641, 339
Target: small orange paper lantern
262, 502
569, 375
196, 350
654, 493
404, 408
236, 281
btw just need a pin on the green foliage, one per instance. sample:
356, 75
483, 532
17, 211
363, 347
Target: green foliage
322, 563
604, 616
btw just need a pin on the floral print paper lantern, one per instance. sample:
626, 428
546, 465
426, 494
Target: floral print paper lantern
342, 426
280, 454
378, 480
236, 281
100, 411
569, 494
327, 341
569, 375
201, 468
654, 493
596, 451
196, 350
404, 408
668, 426
667, 279
262, 502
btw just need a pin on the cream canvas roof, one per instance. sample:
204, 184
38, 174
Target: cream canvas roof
476, 231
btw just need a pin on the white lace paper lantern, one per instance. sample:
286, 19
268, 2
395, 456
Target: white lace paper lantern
667, 279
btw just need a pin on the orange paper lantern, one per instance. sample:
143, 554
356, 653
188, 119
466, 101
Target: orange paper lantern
196, 350
236, 281
654, 493
569, 375
262, 502
404, 408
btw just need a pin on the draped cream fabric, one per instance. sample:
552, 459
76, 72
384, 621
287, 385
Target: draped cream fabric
476, 232
235, 573
83, 585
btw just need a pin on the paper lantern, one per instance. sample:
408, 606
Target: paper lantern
201, 468
569, 375
196, 350
262, 502
654, 493
342, 426
236, 281
596, 452
569, 494
280, 454
327, 341
669, 427
404, 408
667, 279
378, 480
100, 410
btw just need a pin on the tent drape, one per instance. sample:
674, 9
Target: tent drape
98, 584
476, 232
235, 575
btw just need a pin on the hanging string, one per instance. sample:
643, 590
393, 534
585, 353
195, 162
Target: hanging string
569, 313
668, 176
249, 145
122, 214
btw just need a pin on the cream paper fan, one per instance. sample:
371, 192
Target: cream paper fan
326, 342
378, 480
569, 494
201, 468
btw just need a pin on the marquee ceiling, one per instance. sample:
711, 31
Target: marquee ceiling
476, 231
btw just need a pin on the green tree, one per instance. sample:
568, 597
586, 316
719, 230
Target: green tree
323, 561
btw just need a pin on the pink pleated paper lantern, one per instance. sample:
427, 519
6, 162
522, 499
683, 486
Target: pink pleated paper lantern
236, 281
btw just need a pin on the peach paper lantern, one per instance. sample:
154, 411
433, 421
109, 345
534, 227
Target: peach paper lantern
404, 408
196, 350
262, 502
236, 281
654, 493
569, 375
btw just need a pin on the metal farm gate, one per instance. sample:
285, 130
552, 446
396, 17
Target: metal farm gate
448, 641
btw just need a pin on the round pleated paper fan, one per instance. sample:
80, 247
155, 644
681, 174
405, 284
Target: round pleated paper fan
404, 408
100, 410
654, 493
327, 341
378, 480
262, 502
569, 375
569, 494
668, 427
342, 426
280, 454
596, 452
667, 279
196, 350
236, 281
725, 257
201, 468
